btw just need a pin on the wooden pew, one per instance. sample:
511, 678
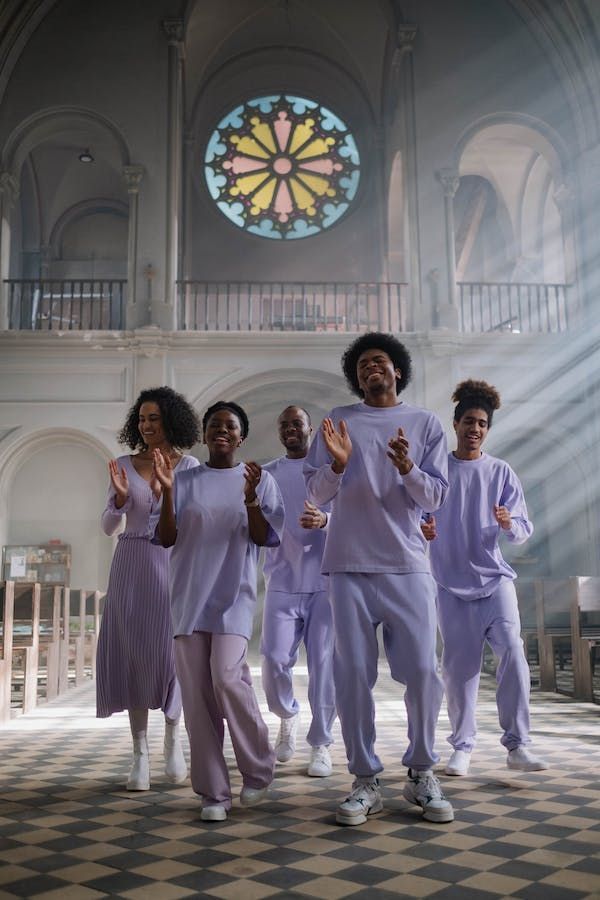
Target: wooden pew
585, 633
7, 610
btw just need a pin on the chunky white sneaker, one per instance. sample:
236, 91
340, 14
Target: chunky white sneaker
365, 800
175, 765
423, 789
285, 746
213, 813
521, 759
250, 796
139, 776
320, 763
459, 763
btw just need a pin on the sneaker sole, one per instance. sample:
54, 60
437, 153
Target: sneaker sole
314, 774
431, 815
456, 772
357, 818
526, 768
213, 816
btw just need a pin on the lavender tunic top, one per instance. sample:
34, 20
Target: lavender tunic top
376, 512
465, 556
295, 565
212, 574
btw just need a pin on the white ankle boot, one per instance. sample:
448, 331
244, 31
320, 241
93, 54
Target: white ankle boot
175, 765
139, 776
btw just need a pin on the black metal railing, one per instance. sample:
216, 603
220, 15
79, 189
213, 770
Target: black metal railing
502, 306
291, 306
66, 305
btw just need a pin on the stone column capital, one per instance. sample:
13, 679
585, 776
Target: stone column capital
405, 40
174, 31
449, 178
564, 196
9, 187
133, 177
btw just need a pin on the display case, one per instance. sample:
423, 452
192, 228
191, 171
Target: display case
45, 563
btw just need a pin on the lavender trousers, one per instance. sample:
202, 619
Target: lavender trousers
465, 626
404, 604
216, 685
288, 619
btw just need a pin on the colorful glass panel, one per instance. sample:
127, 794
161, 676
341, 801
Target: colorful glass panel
282, 167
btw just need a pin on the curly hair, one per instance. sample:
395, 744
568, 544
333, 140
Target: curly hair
232, 407
179, 419
472, 394
376, 340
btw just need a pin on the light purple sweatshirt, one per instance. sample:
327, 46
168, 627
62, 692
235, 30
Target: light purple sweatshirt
376, 512
465, 556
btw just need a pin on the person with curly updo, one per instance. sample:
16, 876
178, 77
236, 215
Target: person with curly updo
380, 463
477, 601
216, 517
135, 661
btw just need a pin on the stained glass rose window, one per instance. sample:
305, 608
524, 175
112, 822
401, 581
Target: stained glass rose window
282, 167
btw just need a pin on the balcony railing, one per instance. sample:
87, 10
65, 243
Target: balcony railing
291, 306
502, 306
73, 305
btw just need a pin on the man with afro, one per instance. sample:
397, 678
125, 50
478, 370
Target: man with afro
382, 463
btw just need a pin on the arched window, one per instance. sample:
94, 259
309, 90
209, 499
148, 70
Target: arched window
282, 167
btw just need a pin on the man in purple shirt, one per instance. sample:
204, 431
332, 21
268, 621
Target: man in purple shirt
382, 463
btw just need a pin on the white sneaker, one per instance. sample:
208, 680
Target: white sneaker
139, 776
320, 763
459, 763
213, 813
285, 746
365, 800
250, 796
423, 789
521, 759
175, 765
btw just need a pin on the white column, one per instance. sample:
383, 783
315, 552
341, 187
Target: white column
9, 192
174, 31
133, 176
448, 312
588, 218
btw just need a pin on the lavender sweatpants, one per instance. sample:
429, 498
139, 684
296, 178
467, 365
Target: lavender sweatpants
287, 619
405, 606
465, 626
216, 685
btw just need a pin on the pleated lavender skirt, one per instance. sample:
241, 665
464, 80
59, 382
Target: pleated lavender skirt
135, 662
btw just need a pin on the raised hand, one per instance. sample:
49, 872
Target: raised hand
162, 470
312, 517
428, 529
252, 474
398, 453
338, 443
502, 516
119, 481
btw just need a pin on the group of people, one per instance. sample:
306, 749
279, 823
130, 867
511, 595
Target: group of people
372, 524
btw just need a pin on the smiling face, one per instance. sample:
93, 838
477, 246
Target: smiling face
150, 425
471, 431
376, 374
222, 436
294, 431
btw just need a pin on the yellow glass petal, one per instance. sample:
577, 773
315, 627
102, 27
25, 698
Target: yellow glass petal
262, 199
318, 147
318, 185
303, 198
249, 183
250, 146
262, 132
302, 133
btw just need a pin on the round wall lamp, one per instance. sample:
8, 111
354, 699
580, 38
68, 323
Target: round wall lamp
85, 156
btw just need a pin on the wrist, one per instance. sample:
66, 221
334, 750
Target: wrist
324, 522
337, 467
252, 501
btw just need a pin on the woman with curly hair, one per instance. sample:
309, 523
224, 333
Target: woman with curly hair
477, 601
135, 662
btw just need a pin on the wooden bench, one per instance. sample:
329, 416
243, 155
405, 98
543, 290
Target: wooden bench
585, 633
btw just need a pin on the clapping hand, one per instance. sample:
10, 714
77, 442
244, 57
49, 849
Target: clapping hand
502, 516
338, 443
119, 481
312, 517
162, 470
398, 453
252, 474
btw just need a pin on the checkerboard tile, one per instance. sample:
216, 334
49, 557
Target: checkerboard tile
68, 828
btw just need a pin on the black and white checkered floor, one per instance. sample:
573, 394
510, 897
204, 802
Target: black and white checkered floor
68, 829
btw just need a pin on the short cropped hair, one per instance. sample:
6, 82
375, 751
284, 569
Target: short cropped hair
232, 407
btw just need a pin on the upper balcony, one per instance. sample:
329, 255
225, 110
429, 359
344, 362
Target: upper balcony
269, 306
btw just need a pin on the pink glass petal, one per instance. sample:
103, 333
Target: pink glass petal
282, 130
241, 164
283, 202
322, 166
